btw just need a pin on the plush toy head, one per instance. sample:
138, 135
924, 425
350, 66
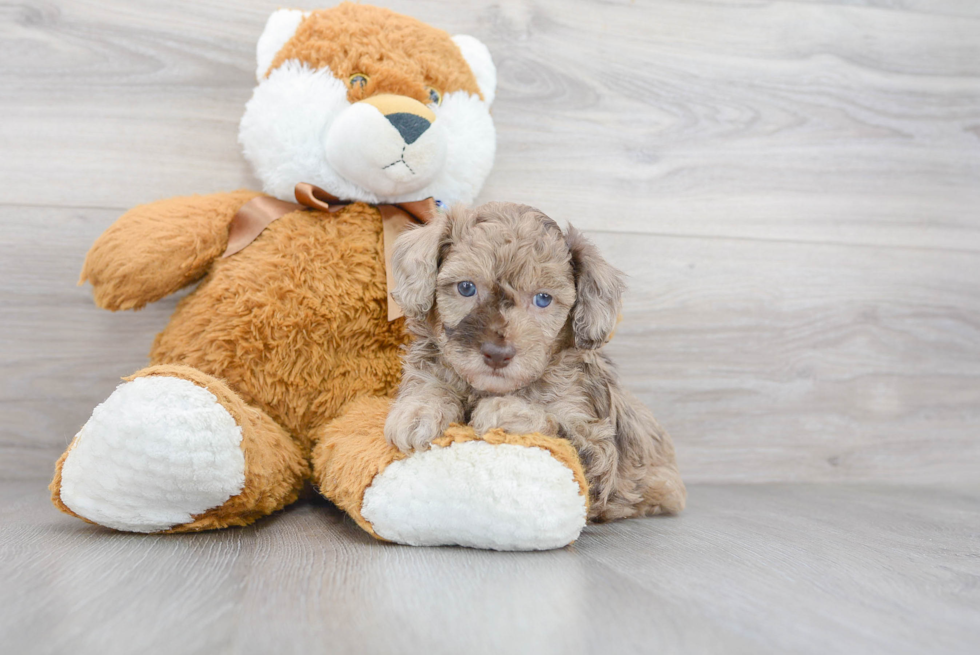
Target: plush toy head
370, 105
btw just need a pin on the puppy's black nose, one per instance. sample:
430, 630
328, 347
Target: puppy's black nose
496, 355
410, 126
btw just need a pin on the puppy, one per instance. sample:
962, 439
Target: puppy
509, 317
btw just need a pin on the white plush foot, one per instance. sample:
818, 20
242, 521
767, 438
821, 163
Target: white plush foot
157, 452
503, 497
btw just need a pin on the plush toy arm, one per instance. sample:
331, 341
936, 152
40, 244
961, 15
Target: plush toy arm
156, 249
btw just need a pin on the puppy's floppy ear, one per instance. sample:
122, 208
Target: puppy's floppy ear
415, 263
598, 293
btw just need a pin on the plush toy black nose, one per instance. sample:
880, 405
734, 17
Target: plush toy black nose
410, 126
496, 355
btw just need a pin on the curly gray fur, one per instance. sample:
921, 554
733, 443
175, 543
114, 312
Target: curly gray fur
557, 382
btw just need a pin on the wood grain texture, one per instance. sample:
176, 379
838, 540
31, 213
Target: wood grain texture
793, 187
748, 569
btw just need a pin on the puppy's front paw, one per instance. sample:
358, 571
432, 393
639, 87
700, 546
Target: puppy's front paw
512, 415
413, 423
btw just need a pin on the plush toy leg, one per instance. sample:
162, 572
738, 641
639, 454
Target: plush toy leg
176, 450
499, 491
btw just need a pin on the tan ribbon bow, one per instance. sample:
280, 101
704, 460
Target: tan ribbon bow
258, 213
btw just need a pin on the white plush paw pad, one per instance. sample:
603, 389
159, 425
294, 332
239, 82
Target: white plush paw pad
157, 452
475, 494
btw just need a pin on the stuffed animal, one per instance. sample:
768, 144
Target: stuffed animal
279, 367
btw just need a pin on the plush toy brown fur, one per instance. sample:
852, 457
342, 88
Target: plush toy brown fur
396, 54
285, 332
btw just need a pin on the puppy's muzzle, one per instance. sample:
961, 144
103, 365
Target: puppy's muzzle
497, 355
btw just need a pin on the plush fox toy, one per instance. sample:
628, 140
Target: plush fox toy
278, 368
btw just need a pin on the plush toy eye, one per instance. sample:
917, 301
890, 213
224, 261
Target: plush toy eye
358, 81
466, 288
542, 300
434, 96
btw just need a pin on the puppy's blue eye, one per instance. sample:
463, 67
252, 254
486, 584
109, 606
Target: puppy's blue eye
466, 288
542, 300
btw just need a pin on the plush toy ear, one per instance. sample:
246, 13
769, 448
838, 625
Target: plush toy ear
415, 263
279, 28
478, 57
598, 293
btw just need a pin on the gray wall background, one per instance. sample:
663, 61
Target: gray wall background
793, 188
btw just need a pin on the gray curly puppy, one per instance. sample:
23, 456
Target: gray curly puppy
510, 316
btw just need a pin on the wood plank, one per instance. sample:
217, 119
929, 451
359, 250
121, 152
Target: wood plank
824, 122
748, 569
781, 361
815, 122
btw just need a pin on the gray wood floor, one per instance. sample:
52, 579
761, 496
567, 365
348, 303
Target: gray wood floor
794, 190
749, 569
